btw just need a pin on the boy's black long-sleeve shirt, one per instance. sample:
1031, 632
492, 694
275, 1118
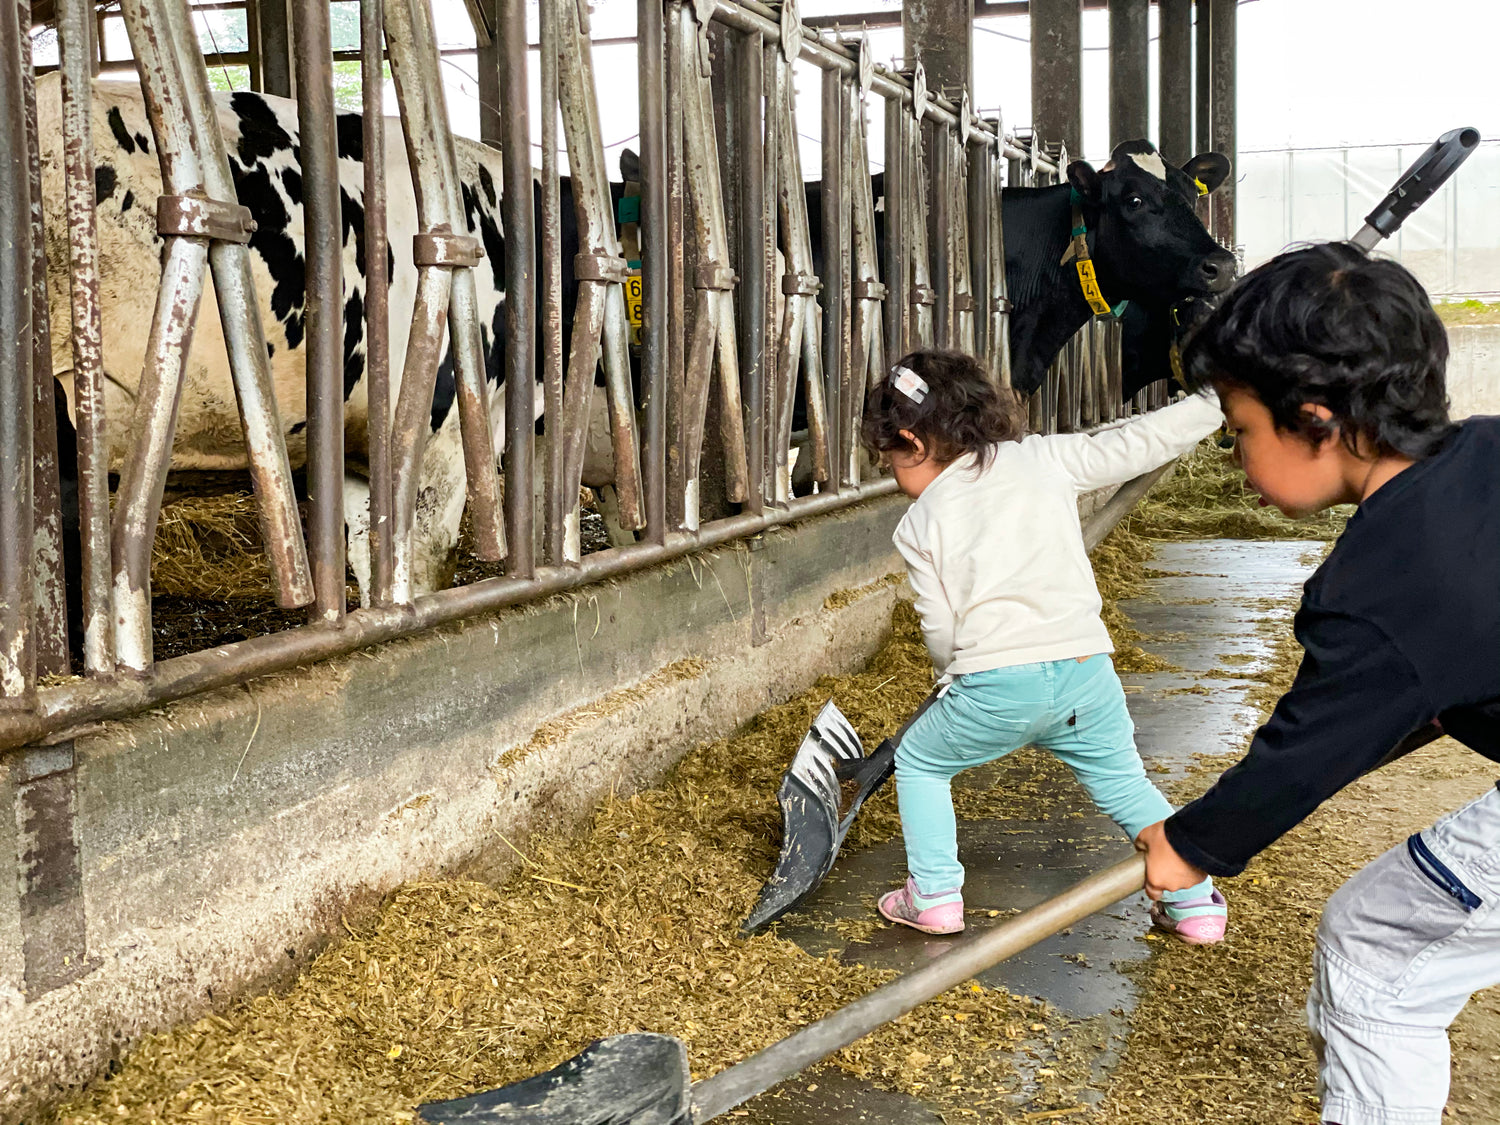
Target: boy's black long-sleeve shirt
1400, 627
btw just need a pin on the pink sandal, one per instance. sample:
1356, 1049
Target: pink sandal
1197, 921
900, 906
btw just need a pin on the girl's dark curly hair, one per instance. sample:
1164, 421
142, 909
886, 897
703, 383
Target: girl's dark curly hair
962, 413
1327, 324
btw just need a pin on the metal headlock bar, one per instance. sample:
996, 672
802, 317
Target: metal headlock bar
194, 162
733, 312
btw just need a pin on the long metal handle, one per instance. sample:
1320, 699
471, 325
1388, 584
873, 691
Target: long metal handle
729, 1088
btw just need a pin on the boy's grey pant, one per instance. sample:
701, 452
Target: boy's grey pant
1401, 948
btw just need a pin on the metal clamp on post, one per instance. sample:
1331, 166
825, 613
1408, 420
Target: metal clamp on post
714, 277
444, 248
197, 216
923, 295
869, 291
963, 302
600, 267
800, 285
1003, 304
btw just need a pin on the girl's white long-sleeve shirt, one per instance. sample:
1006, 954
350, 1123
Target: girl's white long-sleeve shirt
996, 555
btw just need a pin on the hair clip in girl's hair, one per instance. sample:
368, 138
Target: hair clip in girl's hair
909, 383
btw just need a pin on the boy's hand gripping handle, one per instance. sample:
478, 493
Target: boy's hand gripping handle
1416, 185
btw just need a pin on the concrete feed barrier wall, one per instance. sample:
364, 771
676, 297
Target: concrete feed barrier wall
1474, 369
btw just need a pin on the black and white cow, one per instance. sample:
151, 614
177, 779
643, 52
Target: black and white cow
261, 135
1148, 246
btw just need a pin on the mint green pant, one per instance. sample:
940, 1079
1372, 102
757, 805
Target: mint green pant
1076, 710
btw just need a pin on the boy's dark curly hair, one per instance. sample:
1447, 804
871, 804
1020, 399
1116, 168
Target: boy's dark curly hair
1329, 325
963, 411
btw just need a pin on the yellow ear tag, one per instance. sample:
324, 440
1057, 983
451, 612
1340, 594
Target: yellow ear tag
1090, 286
1200, 185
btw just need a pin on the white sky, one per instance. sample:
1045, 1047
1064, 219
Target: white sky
1311, 72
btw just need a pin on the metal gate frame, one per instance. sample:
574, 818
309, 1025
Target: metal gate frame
836, 332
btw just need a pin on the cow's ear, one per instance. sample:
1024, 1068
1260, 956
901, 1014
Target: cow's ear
630, 166
1084, 179
1209, 168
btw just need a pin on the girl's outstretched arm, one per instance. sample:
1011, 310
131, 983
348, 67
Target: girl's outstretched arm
1118, 454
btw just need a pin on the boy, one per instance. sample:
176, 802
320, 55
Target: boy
1330, 368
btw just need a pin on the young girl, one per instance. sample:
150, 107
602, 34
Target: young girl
1010, 613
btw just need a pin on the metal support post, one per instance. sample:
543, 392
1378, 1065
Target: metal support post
17, 655
940, 34
75, 43
377, 303
323, 238
1175, 88
1057, 71
272, 48
652, 69
51, 624
1129, 93
749, 80
519, 220
487, 68
1223, 80
1203, 132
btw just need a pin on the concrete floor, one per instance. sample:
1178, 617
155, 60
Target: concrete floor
1207, 611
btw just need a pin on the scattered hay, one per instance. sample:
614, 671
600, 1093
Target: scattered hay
1206, 498
210, 547
556, 729
458, 985
841, 599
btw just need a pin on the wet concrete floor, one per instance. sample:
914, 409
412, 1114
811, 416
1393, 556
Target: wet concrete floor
1208, 611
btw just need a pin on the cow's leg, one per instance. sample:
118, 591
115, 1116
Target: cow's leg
609, 508
441, 492
599, 472
357, 525
440, 509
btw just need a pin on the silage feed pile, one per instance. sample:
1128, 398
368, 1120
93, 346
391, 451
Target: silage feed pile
457, 986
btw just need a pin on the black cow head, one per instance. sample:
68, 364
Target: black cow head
1147, 241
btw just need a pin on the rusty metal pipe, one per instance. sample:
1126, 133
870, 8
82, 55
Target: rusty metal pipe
143, 476
558, 506
650, 30
377, 301
184, 90
50, 608
680, 70
17, 651
323, 242
87, 337
413, 417
520, 289
750, 144
472, 394
86, 701
412, 45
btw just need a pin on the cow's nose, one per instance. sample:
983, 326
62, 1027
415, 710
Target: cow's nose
1216, 272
